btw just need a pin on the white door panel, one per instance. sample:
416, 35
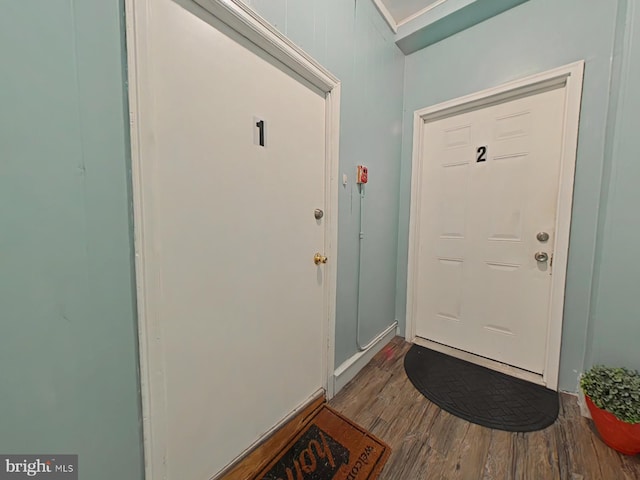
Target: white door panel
240, 303
479, 287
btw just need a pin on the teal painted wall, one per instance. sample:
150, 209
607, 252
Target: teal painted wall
68, 344
68, 382
614, 333
351, 39
533, 37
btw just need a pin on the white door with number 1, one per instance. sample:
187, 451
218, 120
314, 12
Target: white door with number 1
231, 168
486, 228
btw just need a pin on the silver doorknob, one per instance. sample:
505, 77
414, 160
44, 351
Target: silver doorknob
541, 257
542, 236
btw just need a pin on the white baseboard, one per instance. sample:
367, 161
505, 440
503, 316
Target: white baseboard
582, 403
349, 369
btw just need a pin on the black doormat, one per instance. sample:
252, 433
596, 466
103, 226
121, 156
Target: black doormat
480, 395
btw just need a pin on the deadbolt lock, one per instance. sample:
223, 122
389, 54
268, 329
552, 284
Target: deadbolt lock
318, 259
542, 236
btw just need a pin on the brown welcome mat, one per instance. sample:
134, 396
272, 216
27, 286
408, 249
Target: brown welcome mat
328, 447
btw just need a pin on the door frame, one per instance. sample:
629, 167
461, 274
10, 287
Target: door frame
571, 77
241, 19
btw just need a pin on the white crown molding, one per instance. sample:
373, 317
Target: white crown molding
386, 14
393, 24
420, 12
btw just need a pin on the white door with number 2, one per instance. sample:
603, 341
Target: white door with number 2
488, 204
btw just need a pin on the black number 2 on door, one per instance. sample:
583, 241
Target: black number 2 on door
481, 154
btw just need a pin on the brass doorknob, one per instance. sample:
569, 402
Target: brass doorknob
318, 259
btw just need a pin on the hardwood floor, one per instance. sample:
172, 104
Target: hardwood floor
429, 443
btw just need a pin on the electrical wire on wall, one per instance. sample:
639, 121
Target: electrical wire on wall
361, 348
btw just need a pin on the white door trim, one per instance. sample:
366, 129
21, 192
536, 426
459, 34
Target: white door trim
247, 23
569, 76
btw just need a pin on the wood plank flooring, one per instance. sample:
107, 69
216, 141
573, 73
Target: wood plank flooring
429, 443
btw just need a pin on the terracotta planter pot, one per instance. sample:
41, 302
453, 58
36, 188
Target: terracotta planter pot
621, 436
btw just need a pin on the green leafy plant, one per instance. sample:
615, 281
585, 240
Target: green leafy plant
616, 390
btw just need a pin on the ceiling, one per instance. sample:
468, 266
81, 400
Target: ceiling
402, 9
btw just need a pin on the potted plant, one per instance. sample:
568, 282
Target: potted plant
613, 398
